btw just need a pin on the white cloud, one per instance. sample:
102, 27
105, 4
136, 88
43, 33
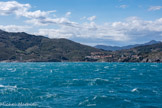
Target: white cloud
85, 30
37, 17
83, 18
68, 14
14, 28
123, 6
37, 14
52, 21
131, 29
13, 7
91, 18
54, 33
154, 8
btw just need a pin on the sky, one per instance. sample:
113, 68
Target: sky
90, 22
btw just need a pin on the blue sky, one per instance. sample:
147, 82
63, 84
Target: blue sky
91, 22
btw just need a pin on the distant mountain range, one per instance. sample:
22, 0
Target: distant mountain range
115, 48
23, 47
145, 53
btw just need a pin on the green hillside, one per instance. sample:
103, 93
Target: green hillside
24, 47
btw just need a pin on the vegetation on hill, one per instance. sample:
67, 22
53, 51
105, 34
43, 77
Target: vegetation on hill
22, 47
147, 53
29, 48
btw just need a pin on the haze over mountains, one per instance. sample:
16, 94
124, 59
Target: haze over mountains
23, 47
115, 48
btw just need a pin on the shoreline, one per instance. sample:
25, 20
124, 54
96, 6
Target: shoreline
8, 61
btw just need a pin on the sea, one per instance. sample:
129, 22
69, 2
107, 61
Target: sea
80, 85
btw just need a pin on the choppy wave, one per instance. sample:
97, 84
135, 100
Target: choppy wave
61, 85
8, 87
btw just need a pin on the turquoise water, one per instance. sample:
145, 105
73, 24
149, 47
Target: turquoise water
62, 85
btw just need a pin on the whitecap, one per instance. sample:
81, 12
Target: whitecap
96, 70
75, 79
13, 70
49, 95
94, 97
84, 102
42, 65
106, 67
100, 79
133, 69
9, 69
156, 92
91, 105
154, 65
134, 90
96, 81
111, 91
126, 100
51, 71
1, 86
104, 96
